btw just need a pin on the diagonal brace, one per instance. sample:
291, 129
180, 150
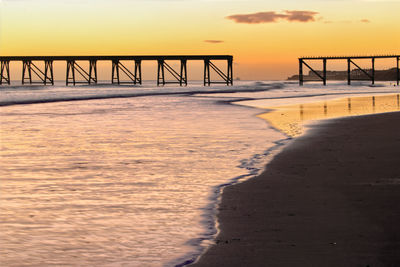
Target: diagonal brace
316, 73
366, 73
219, 72
172, 71
127, 72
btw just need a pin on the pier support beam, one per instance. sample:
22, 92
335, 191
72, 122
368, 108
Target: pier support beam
398, 71
371, 77
207, 80
228, 77
115, 72
160, 72
373, 71
181, 78
321, 75
48, 70
93, 71
70, 72
117, 66
321, 78
230, 72
348, 71
324, 71
138, 71
28, 67
5, 72
301, 77
88, 77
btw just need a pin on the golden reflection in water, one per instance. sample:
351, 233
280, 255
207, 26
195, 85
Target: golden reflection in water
290, 118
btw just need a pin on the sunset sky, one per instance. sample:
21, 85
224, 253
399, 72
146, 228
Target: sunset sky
265, 37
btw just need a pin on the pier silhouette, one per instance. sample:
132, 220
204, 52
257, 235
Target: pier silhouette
74, 70
366, 75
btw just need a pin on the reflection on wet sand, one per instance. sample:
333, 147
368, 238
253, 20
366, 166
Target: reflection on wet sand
289, 119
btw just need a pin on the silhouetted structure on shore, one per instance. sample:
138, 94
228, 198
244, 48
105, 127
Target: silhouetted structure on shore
380, 75
358, 74
46, 76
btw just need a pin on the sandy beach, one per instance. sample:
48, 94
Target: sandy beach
330, 198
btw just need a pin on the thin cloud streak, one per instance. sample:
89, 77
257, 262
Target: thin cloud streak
273, 17
213, 41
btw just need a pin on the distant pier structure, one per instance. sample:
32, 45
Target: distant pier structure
368, 74
76, 74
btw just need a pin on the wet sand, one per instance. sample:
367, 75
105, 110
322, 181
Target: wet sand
330, 198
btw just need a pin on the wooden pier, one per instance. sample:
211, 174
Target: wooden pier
45, 76
369, 74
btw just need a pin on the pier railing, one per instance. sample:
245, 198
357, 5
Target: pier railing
74, 70
369, 75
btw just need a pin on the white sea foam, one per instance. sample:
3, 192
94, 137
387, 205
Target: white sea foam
271, 92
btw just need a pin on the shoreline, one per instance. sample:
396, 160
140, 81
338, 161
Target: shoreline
209, 220
289, 216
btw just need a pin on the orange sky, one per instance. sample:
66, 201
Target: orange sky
265, 37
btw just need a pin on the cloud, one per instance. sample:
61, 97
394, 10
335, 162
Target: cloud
301, 16
214, 41
272, 16
256, 18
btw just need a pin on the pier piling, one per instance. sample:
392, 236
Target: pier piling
207, 72
373, 71
398, 70
48, 69
26, 68
324, 71
5, 72
349, 71
138, 71
115, 72
301, 77
93, 71
70, 71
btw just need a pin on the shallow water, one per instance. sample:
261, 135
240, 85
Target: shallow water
291, 119
117, 182
129, 181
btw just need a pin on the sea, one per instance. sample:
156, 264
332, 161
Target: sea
132, 175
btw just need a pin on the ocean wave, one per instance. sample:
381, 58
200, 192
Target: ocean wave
40, 94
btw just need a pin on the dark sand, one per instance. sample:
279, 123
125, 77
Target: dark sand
331, 198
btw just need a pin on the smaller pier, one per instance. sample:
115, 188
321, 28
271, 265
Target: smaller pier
369, 74
76, 74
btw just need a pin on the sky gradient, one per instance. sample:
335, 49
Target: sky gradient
265, 37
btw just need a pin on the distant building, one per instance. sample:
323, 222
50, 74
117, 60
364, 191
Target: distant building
380, 75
